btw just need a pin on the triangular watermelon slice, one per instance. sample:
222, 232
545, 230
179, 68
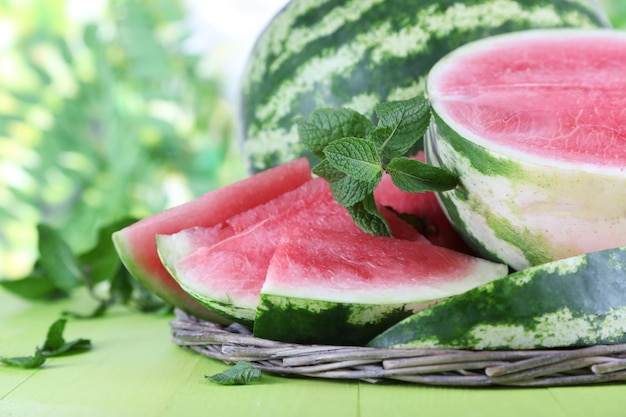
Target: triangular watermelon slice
136, 245
335, 287
224, 267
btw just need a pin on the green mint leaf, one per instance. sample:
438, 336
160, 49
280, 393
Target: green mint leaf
367, 216
414, 220
57, 259
415, 176
34, 286
346, 190
401, 124
326, 125
25, 362
241, 374
101, 262
55, 344
355, 157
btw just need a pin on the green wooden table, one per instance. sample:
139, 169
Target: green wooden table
135, 370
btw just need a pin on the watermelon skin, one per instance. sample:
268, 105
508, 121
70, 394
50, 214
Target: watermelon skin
329, 287
336, 53
224, 267
526, 206
136, 245
578, 301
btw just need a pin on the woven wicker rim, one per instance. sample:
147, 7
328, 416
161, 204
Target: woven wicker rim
445, 367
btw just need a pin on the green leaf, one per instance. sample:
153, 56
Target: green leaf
401, 124
55, 344
326, 125
57, 259
415, 176
25, 362
241, 374
346, 190
101, 262
367, 216
355, 157
34, 287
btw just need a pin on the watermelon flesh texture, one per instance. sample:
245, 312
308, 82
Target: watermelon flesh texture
224, 267
344, 287
136, 245
534, 124
436, 226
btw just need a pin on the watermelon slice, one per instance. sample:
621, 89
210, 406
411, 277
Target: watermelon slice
224, 267
534, 125
136, 244
435, 226
345, 287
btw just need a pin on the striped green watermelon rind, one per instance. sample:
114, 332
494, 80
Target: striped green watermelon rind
520, 208
578, 301
359, 53
305, 321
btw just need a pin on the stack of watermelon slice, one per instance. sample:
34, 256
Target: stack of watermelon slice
276, 252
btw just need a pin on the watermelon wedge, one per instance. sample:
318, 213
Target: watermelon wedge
224, 267
577, 301
534, 125
136, 244
344, 288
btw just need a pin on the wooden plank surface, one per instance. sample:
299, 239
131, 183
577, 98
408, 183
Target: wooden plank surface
135, 370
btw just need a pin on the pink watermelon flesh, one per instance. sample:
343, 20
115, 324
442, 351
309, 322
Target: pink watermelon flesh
232, 270
563, 99
136, 244
436, 228
349, 267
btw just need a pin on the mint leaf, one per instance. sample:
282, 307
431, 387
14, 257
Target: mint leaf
346, 189
35, 286
25, 362
57, 259
367, 216
241, 374
401, 124
415, 176
326, 125
355, 157
55, 344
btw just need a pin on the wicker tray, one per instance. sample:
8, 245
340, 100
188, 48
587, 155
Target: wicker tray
446, 367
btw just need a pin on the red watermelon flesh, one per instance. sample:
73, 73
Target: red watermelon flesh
436, 226
541, 97
227, 275
136, 245
328, 265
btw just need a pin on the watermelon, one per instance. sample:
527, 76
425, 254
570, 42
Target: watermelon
343, 288
136, 244
577, 301
355, 54
432, 220
224, 267
534, 125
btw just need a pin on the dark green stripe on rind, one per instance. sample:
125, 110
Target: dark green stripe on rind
578, 301
295, 320
379, 64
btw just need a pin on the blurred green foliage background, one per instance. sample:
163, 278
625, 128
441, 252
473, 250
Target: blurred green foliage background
108, 117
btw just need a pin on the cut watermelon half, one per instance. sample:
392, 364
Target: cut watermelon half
136, 244
533, 123
224, 267
346, 287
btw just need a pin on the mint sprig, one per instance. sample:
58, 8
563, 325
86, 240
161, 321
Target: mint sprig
354, 154
241, 373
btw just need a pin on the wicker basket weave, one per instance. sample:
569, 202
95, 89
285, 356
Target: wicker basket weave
446, 367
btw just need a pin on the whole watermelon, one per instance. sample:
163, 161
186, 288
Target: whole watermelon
356, 53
